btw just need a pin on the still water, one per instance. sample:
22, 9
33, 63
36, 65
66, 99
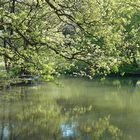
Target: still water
73, 109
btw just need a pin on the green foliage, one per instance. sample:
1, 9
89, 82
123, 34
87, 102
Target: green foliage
85, 37
129, 69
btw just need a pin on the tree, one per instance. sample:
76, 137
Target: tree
90, 35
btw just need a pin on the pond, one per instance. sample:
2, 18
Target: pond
72, 109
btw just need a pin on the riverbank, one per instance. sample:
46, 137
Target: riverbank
6, 82
9, 82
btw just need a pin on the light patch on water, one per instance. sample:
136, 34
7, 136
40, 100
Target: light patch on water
4, 131
68, 129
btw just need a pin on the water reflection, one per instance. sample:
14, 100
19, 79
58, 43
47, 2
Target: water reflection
69, 129
79, 110
4, 131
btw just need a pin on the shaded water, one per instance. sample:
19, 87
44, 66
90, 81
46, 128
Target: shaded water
77, 109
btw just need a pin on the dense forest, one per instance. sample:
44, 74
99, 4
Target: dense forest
47, 38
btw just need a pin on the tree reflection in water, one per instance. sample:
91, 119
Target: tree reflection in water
38, 116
